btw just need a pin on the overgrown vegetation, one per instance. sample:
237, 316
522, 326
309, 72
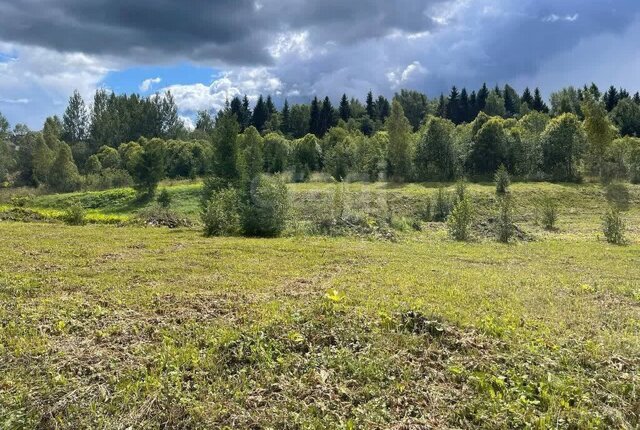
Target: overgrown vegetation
314, 333
613, 227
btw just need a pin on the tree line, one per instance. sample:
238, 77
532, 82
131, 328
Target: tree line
131, 140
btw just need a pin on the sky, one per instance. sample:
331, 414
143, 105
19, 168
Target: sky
207, 51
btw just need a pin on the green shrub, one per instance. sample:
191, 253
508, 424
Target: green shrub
548, 213
441, 206
221, 217
339, 204
20, 201
164, 198
265, 212
502, 179
210, 186
74, 215
461, 189
459, 222
504, 222
613, 227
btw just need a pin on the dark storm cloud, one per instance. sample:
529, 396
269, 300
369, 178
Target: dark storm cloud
231, 31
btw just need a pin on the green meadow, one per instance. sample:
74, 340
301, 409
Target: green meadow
115, 324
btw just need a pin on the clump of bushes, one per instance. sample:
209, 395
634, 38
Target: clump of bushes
259, 209
441, 207
460, 220
504, 221
548, 213
164, 198
74, 215
613, 227
221, 217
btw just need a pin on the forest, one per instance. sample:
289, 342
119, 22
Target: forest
121, 140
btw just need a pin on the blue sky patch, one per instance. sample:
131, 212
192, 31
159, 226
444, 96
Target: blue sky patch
129, 80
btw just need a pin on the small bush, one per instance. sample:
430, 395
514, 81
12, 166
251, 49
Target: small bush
211, 186
461, 190
548, 213
339, 204
74, 215
441, 206
164, 198
504, 221
265, 212
459, 222
613, 227
502, 179
20, 201
221, 216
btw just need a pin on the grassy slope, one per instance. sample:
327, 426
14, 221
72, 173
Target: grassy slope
107, 327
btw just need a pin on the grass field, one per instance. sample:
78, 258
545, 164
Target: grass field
129, 327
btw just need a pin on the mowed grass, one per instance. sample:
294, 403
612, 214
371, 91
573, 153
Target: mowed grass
129, 327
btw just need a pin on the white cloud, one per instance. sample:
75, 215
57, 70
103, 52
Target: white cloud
22, 101
249, 81
188, 122
148, 83
36, 82
555, 18
291, 43
411, 72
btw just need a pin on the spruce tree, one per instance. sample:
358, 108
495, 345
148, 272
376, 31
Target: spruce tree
236, 109
285, 125
465, 109
382, 107
63, 174
473, 106
482, 97
225, 147
453, 106
75, 120
260, 114
245, 118
371, 107
511, 101
442, 107
314, 117
538, 103
611, 98
527, 98
326, 117
345, 108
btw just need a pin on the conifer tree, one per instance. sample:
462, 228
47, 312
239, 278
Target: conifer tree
453, 106
285, 124
345, 108
314, 117
482, 97
63, 174
371, 107
225, 147
260, 114
527, 98
75, 119
538, 103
